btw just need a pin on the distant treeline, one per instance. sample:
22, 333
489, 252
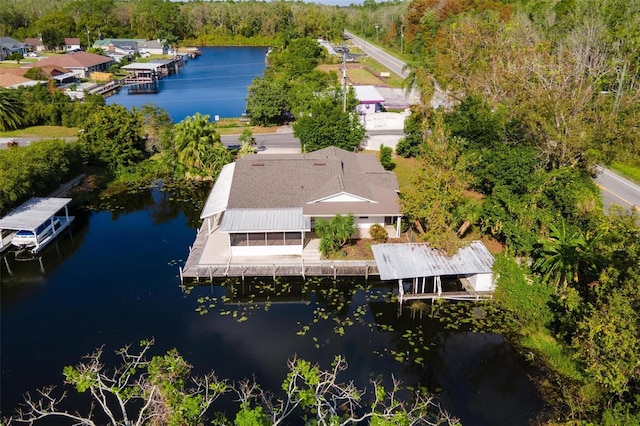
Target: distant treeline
210, 23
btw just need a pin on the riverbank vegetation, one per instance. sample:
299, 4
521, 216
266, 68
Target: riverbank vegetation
163, 390
537, 95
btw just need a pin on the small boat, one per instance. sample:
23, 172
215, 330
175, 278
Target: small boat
36, 223
28, 238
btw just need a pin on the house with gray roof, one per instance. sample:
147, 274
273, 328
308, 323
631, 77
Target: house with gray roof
10, 45
267, 204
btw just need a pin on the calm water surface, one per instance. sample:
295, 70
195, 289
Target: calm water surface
113, 280
215, 83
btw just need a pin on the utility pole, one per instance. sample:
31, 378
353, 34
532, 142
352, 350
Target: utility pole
344, 81
377, 38
88, 40
401, 39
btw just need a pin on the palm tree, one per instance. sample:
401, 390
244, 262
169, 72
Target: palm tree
334, 233
568, 256
11, 110
198, 146
419, 79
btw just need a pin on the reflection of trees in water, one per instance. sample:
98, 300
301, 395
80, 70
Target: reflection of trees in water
187, 198
165, 201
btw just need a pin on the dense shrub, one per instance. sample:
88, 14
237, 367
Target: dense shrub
378, 233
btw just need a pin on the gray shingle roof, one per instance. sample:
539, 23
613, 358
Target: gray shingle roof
267, 181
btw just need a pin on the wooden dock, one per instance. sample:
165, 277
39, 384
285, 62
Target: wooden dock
326, 268
269, 266
105, 88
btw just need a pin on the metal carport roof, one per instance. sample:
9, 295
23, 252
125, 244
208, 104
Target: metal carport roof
265, 220
219, 196
33, 213
411, 260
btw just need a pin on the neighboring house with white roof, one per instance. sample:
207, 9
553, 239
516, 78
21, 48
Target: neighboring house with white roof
268, 203
153, 47
369, 98
82, 64
132, 46
121, 46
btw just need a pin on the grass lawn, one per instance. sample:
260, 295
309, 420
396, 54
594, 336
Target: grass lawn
630, 172
49, 132
393, 80
364, 73
404, 170
361, 75
237, 130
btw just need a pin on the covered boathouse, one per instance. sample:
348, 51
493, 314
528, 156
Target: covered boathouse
32, 215
418, 268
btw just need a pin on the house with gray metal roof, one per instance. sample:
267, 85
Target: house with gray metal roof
267, 203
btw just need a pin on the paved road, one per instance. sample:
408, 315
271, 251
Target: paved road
394, 64
282, 139
285, 141
617, 190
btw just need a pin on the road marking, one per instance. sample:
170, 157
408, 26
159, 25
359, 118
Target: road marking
620, 179
616, 195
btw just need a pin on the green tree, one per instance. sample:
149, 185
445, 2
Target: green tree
113, 136
198, 147
142, 392
11, 110
386, 157
248, 143
36, 169
436, 190
415, 130
157, 124
53, 27
267, 101
326, 124
608, 343
300, 57
160, 385
567, 256
325, 400
15, 56
334, 233
36, 73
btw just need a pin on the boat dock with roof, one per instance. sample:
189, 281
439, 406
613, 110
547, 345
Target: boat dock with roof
417, 267
35, 223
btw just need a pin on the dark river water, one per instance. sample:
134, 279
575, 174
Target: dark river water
214, 83
113, 280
